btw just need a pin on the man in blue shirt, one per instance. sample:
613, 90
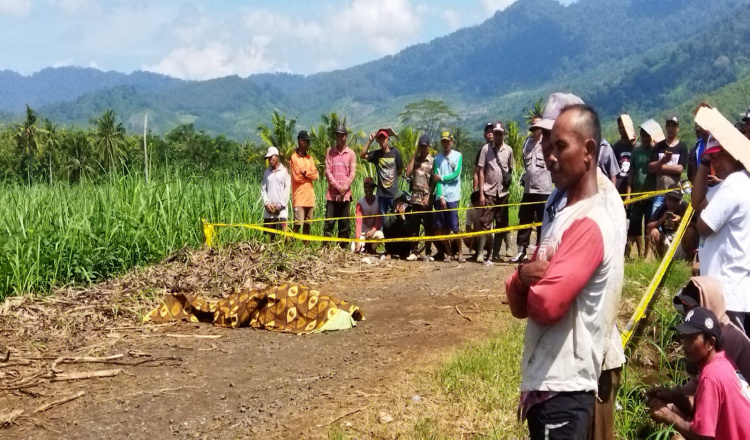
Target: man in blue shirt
447, 177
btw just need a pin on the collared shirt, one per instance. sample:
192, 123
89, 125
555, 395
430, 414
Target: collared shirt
340, 170
495, 164
536, 179
421, 175
275, 190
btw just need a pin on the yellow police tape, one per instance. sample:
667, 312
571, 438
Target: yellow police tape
209, 232
209, 229
637, 197
640, 311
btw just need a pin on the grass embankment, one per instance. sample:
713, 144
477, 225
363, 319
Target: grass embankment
475, 393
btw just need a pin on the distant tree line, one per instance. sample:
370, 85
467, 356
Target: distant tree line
36, 150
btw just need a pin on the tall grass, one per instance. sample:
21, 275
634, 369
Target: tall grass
62, 234
58, 235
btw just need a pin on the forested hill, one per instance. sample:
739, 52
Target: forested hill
53, 85
640, 55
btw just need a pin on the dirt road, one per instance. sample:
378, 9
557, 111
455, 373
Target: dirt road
256, 384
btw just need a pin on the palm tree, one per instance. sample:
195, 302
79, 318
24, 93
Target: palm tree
78, 152
109, 137
461, 139
26, 140
534, 112
324, 135
280, 134
406, 142
49, 144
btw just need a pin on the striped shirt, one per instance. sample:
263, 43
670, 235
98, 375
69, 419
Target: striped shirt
340, 170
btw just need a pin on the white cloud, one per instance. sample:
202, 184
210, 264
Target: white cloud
385, 25
217, 59
15, 8
265, 41
63, 63
453, 19
494, 5
77, 7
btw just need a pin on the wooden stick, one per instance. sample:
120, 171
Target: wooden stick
50, 405
21, 386
85, 360
7, 419
172, 335
86, 375
462, 315
345, 415
17, 363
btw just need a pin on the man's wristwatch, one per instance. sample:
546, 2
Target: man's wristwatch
706, 161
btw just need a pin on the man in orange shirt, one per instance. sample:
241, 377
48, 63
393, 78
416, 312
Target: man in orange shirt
304, 173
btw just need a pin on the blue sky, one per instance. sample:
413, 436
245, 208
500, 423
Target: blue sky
202, 40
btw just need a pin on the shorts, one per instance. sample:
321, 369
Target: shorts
446, 219
640, 212
303, 214
565, 416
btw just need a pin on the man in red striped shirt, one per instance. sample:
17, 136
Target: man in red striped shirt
341, 166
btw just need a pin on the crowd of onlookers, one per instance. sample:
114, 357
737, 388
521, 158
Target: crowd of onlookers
568, 286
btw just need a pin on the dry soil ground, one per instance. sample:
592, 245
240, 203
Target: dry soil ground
256, 384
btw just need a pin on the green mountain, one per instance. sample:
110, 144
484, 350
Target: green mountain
639, 56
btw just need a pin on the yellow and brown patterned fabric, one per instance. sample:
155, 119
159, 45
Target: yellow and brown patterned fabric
288, 308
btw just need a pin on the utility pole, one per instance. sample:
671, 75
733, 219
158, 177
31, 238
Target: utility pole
145, 146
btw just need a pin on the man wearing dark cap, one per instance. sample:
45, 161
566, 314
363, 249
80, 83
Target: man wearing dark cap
720, 411
665, 221
388, 166
537, 185
668, 160
419, 171
495, 176
303, 173
341, 167
487, 141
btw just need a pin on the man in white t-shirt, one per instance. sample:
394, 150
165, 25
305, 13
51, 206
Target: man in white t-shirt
725, 226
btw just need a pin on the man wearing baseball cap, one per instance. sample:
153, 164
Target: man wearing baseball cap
487, 141
668, 160
724, 224
537, 185
274, 191
495, 169
419, 171
720, 411
341, 167
304, 173
447, 178
388, 165
583, 239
